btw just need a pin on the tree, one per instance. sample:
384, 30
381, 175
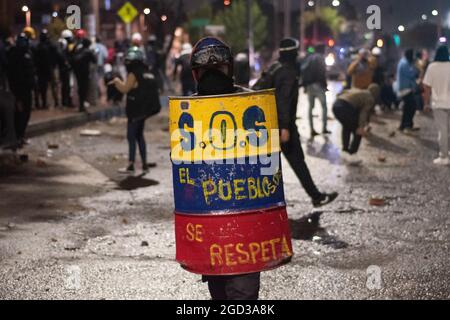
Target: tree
330, 22
234, 19
197, 20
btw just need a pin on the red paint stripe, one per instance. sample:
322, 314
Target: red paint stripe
233, 244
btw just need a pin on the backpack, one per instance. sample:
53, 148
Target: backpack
143, 102
309, 70
267, 78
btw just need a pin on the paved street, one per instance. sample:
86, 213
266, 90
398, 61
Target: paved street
71, 228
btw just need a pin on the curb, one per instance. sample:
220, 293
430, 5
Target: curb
69, 121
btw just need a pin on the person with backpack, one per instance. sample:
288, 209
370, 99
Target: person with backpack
283, 75
142, 102
314, 77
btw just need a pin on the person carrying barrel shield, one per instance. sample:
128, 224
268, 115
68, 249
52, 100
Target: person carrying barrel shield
230, 214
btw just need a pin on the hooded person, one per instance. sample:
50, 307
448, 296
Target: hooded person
212, 67
286, 84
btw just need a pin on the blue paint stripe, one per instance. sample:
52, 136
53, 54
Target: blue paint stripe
224, 188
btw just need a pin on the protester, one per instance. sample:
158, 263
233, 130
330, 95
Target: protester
142, 99
352, 109
314, 78
437, 85
361, 69
186, 78
286, 80
407, 75
21, 75
212, 64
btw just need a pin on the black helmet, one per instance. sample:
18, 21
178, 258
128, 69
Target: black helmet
289, 44
44, 35
134, 54
22, 40
209, 52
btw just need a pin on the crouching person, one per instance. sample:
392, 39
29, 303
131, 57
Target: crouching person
352, 109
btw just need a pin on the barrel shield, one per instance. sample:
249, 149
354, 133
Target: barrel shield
230, 212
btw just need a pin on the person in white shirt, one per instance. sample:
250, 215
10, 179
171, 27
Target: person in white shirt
437, 87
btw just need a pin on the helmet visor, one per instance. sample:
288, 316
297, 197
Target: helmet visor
213, 55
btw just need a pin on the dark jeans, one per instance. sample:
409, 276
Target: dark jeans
43, 82
348, 116
65, 89
409, 110
135, 135
241, 287
294, 154
83, 89
24, 101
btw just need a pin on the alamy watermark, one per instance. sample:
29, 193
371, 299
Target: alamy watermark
73, 278
374, 280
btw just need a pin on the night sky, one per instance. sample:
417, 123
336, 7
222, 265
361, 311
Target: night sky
396, 12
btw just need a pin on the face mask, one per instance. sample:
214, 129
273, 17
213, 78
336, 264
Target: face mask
214, 82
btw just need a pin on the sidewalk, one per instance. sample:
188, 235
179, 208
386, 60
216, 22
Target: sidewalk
45, 121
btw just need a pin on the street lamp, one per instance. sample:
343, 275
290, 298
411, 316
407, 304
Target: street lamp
434, 12
311, 3
401, 28
164, 18
147, 11
336, 3
27, 12
424, 17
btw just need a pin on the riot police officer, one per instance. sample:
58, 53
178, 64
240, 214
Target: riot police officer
21, 74
46, 59
212, 66
82, 59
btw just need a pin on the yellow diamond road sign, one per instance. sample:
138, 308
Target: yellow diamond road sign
128, 13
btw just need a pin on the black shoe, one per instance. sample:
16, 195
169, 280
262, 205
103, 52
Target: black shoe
326, 132
325, 199
145, 168
128, 170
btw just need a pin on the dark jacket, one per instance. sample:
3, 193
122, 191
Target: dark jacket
21, 69
286, 82
82, 58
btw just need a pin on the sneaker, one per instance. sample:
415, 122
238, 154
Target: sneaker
442, 161
128, 170
351, 159
324, 199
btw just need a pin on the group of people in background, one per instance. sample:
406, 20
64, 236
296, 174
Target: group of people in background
33, 65
369, 83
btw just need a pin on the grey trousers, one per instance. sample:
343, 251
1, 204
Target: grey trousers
442, 117
314, 91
